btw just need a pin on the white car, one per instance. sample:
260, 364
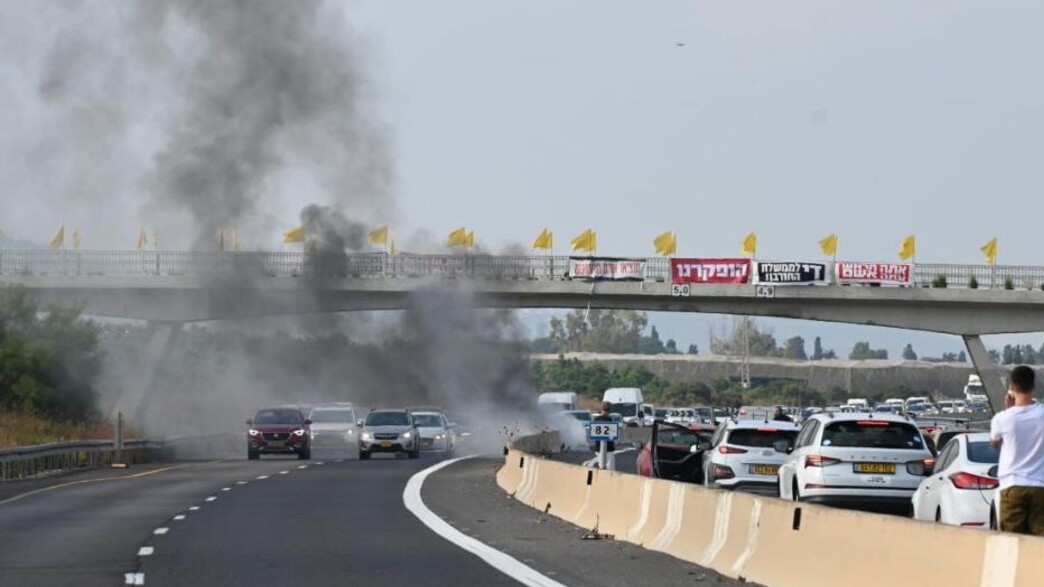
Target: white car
334, 426
872, 461
742, 455
436, 433
961, 488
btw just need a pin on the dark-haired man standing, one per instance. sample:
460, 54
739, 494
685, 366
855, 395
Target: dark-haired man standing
1019, 433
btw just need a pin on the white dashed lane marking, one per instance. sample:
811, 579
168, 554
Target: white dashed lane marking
241, 482
226, 489
134, 578
262, 477
161, 531
211, 498
283, 472
303, 467
194, 508
179, 517
146, 551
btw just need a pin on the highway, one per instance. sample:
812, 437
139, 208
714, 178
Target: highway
321, 522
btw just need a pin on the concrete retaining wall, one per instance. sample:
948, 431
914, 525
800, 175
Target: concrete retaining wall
770, 541
856, 377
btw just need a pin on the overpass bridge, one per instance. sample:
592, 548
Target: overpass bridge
169, 288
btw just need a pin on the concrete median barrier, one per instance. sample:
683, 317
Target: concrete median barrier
770, 541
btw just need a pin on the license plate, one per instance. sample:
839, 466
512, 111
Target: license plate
277, 443
875, 468
764, 469
385, 444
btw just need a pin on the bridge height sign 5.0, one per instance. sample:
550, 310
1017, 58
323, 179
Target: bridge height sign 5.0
603, 432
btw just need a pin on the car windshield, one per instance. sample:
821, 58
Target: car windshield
278, 416
388, 419
625, 410
332, 416
872, 434
427, 420
681, 436
760, 437
582, 416
982, 452
661, 413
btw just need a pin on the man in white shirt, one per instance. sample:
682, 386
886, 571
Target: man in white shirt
1019, 433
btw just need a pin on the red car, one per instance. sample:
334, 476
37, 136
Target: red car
281, 430
675, 451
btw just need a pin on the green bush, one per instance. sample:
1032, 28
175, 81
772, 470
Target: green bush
939, 281
1008, 283
973, 283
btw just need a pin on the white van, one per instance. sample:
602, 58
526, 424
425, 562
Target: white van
627, 401
558, 401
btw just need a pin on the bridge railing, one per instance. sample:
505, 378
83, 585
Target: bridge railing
377, 265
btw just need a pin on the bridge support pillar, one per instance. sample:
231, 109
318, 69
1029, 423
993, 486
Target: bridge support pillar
142, 379
995, 383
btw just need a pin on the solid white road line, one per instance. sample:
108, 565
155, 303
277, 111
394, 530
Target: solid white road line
134, 578
161, 531
146, 551
504, 563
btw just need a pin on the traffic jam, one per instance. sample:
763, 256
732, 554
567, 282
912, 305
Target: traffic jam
938, 468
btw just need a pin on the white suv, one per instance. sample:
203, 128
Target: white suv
743, 454
859, 460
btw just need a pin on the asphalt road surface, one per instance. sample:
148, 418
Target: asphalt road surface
273, 522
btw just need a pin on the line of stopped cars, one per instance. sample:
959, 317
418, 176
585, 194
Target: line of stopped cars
356, 432
941, 470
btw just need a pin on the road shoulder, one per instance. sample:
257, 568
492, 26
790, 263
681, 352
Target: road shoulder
466, 495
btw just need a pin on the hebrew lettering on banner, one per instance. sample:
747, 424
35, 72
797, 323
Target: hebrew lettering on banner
879, 273
606, 269
791, 273
710, 270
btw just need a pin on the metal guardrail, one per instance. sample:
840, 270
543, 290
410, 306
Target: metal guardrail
23, 462
30, 262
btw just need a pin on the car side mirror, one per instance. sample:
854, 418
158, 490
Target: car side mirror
992, 472
307, 422
702, 446
359, 422
249, 422
782, 446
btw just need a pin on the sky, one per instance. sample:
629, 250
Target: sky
873, 120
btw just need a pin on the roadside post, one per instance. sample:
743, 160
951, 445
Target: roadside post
603, 433
117, 462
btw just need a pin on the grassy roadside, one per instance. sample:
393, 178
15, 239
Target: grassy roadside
19, 429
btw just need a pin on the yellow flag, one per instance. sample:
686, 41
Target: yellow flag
545, 240
58, 239
77, 238
379, 236
666, 244
829, 245
235, 240
294, 235
143, 241
457, 238
909, 248
585, 241
990, 250
750, 244
469, 239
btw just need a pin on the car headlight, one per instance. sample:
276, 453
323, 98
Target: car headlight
299, 432
367, 436
407, 435
440, 437
253, 432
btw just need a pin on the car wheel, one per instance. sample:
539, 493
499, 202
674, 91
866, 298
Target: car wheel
364, 455
253, 455
305, 454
